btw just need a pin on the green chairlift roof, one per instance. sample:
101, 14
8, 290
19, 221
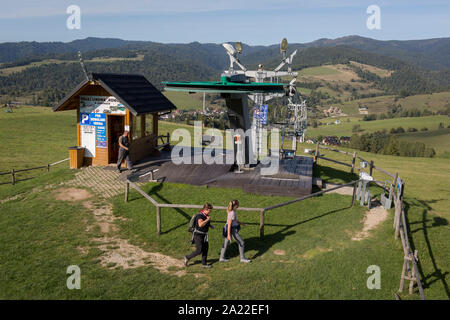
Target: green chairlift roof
224, 86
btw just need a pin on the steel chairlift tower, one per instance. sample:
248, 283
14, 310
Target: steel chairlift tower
236, 87
296, 104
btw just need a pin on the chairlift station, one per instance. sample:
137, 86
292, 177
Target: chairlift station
108, 104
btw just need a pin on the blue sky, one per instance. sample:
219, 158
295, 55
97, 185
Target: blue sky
254, 22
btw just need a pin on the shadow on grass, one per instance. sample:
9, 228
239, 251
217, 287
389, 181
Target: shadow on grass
333, 175
437, 275
154, 191
253, 243
263, 245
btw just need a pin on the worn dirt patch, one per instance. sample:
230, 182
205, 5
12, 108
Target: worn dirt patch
280, 252
372, 219
119, 253
314, 252
345, 191
71, 194
10, 199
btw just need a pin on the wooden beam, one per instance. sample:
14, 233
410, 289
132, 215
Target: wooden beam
155, 124
335, 161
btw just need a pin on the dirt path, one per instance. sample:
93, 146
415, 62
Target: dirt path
372, 219
117, 252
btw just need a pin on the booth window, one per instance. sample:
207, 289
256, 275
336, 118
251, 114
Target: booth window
136, 132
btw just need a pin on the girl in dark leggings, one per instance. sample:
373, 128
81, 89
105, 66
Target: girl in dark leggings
232, 230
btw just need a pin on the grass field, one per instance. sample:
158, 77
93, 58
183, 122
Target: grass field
186, 101
295, 239
438, 139
319, 71
307, 252
35, 136
382, 104
10, 70
435, 138
378, 71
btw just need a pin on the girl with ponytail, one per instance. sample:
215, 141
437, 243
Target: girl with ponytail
230, 230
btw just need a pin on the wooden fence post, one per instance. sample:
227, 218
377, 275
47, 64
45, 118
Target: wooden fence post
354, 194
353, 162
48, 167
398, 213
13, 177
261, 224
391, 190
317, 153
158, 220
127, 189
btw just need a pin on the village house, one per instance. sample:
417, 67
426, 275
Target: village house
363, 110
331, 141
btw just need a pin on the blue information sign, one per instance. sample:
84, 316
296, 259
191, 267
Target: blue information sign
97, 119
263, 114
101, 136
84, 119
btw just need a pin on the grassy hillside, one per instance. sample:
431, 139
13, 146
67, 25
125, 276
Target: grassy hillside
35, 136
186, 101
311, 238
382, 104
437, 137
10, 70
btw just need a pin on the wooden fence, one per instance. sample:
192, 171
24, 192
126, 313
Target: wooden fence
400, 225
181, 206
408, 273
261, 211
14, 172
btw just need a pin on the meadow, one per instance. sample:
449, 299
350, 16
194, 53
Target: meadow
307, 251
438, 139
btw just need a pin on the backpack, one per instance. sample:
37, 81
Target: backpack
191, 227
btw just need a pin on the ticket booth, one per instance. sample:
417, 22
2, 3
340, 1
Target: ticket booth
109, 104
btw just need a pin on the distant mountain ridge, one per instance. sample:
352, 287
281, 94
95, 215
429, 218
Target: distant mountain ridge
415, 67
433, 54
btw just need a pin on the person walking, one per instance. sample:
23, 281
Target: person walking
124, 152
202, 223
231, 229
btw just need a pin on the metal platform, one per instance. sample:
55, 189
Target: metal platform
294, 177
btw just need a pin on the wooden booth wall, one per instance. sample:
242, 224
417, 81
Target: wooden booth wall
101, 154
144, 146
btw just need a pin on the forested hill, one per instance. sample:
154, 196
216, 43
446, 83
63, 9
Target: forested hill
429, 53
50, 70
